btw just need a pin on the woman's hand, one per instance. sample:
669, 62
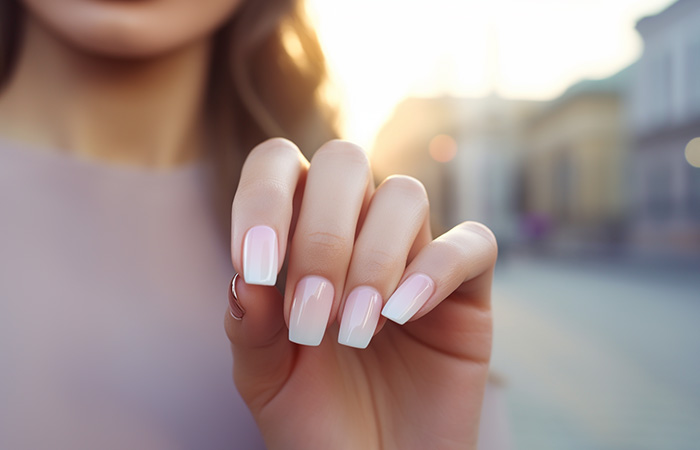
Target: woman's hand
355, 252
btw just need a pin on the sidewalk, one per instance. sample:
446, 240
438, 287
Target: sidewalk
599, 354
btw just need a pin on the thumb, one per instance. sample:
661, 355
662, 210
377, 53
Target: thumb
262, 354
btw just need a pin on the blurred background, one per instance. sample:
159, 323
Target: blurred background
572, 129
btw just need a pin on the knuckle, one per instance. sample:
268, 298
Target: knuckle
276, 147
268, 190
377, 262
484, 233
345, 151
452, 255
452, 249
407, 185
327, 243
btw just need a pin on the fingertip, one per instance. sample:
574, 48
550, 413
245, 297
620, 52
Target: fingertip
486, 234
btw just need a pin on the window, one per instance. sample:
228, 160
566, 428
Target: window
660, 89
659, 202
693, 76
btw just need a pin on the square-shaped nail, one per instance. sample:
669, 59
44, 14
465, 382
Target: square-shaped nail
260, 256
408, 298
360, 317
311, 306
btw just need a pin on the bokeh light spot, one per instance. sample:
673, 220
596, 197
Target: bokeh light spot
692, 152
442, 148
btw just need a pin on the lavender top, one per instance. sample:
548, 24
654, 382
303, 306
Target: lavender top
111, 308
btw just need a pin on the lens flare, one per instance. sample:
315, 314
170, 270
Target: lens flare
442, 148
692, 152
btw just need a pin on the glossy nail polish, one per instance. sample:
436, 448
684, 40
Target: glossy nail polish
408, 298
360, 317
311, 306
260, 260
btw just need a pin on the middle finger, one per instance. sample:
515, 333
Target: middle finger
336, 187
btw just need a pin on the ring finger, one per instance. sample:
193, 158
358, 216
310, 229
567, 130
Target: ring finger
396, 221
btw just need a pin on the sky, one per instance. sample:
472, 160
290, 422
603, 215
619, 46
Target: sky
381, 51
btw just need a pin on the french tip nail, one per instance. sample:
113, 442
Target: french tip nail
350, 343
408, 298
395, 318
303, 340
360, 317
262, 281
311, 307
260, 256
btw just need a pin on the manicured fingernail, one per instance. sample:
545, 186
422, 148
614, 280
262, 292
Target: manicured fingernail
260, 264
311, 306
360, 317
408, 298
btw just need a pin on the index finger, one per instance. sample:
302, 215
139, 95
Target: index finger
262, 209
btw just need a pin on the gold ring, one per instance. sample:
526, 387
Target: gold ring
235, 307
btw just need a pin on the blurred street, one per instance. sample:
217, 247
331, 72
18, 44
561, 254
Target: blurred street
599, 354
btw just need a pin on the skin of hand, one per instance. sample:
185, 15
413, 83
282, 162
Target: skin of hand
417, 385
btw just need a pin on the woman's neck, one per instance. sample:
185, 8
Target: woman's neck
138, 112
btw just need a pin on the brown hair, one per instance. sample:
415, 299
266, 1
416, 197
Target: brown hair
267, 77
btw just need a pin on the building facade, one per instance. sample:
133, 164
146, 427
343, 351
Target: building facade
664, 115
480, 181
574, 172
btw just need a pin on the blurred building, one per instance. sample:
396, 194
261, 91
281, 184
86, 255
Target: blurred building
664, 108
574, 173
466, 151
601, 165
486, 169
402, 146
